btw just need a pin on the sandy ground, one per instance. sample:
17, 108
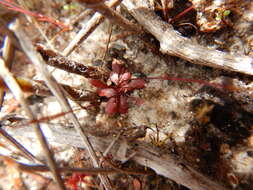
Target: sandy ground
209, 128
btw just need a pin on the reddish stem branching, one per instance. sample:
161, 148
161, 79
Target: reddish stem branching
15, 7
181, 14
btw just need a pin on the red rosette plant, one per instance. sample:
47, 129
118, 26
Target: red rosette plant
118, 91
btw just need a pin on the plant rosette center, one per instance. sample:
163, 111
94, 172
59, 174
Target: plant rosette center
121, 84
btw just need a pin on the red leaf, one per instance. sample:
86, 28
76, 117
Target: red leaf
124, 78
98, 83
138, 83
137, 184
116, 66
107, 92
112, 106
123, 105
134, 84
114, 77
73, 181
137, 101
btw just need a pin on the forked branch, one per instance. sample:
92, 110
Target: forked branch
172, 43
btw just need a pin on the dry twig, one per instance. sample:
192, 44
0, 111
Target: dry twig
16, 144
87, 29
8, 54
112, 15
17, 92
58, 93
163, 164
91, 171
55, 60
173, 43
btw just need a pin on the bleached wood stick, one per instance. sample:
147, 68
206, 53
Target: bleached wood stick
172, 43
166, 165
84, 33
57, 91
12, 84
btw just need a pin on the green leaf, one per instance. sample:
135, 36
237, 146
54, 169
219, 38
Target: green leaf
226, 13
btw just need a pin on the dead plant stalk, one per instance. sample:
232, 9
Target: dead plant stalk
163, 164
40, 65
87, 29
17, 92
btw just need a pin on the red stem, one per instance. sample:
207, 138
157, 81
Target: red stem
181, 14
15, 7
216, 85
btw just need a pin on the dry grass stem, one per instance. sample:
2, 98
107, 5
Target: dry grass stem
81, 16
19, 146
8, 51
8, 55
87, 29
7, 32
58, 93
172, 43
112, 15
90, 171
163, 164
36, 24
17, 92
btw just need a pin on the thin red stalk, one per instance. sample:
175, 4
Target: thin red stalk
15, 7
216, 85
51, 117
54, 116
181, 14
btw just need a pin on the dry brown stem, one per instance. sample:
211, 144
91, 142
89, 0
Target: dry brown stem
58, 93
84, 33
55, 60
112, 15
17, 92
16, 144
172, 43
91, 171
39, 88
7, 32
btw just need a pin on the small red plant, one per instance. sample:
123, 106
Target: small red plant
121, 84
117, 92
75, 179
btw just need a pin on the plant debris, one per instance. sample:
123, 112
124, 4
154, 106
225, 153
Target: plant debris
153, 94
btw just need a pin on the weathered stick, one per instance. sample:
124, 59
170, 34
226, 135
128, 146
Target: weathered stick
112, 15
17, 92
17, 145
54, 59
172, 43
8, 53
166, 165
58, 93
91, 171
87, 29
